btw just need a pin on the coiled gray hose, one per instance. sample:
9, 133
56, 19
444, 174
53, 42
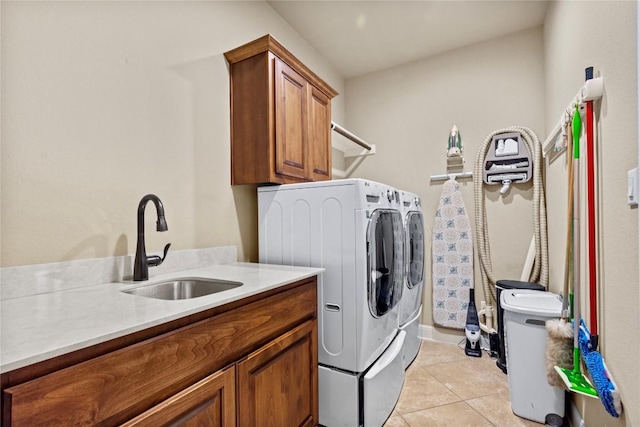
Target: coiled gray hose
540, 270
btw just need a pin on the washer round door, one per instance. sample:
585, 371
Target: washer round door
415, 249
385, 261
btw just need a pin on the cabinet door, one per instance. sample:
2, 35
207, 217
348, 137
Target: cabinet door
290, 121
319, 135
210, 402
278, 384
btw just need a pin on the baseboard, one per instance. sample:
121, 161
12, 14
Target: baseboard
575, 420
432, 333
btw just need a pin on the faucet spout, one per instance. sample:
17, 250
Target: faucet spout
142, 261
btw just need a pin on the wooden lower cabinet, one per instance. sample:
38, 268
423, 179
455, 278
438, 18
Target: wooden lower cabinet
278, 384
254, 364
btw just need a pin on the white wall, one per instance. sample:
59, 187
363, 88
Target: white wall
408, 112
603, 35
103, 102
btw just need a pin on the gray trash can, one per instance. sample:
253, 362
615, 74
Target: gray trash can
525, 314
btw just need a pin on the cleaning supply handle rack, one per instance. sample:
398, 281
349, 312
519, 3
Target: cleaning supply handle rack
592, 90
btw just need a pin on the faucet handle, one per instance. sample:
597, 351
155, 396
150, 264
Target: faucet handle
155, 260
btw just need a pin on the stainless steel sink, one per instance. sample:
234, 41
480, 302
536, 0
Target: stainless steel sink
183, 288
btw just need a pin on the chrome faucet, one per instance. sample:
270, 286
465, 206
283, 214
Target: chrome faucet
142, 261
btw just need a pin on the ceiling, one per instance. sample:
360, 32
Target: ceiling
360, 37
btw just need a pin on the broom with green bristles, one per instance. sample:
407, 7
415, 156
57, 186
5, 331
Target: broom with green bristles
573, 378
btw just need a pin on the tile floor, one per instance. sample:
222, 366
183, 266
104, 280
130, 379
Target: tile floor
443, 387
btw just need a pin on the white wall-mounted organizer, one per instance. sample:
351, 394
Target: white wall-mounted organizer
507, 161
556, 142
365, 149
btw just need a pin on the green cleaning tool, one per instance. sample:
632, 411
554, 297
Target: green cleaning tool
573, 378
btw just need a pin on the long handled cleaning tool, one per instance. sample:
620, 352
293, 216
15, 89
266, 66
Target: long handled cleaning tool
559, 351
567, 313
573, 378
604, 384
591, 219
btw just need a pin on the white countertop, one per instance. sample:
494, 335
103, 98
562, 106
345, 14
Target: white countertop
39, 327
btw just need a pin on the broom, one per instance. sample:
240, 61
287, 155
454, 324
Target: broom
573, 378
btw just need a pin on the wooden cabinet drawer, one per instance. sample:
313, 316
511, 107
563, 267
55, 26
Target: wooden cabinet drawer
210, 402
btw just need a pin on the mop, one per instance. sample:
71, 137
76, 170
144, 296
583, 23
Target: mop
607, 389
573, 378
559, 351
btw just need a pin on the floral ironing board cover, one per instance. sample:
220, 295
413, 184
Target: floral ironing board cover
452, 253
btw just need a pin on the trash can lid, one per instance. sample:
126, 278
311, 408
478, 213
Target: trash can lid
518, 284
532, 302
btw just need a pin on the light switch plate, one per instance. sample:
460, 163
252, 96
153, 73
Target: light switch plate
632, 187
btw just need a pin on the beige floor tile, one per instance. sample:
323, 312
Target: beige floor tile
470, 378
456, 414
396, 421
422, 391
443, 387
432, 352
497, 409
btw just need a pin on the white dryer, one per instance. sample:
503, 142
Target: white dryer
410, 307
353, 228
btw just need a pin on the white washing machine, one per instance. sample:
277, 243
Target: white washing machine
410, 307
353, 228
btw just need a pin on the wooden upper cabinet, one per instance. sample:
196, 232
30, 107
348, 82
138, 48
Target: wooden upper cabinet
290, 113
280, 117
320, 115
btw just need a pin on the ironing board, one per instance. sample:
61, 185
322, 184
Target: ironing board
452, 254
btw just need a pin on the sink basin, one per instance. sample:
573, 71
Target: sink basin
183, 288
